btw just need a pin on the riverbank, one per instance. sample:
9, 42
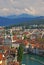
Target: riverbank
33, 54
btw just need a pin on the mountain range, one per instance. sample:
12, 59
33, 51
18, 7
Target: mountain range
21, 19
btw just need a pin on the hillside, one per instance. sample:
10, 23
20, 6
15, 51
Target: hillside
21, 19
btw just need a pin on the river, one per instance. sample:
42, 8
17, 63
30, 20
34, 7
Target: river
29, 59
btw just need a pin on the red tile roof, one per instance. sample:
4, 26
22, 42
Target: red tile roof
5, 47
1, 57
15, 37
26, 33
19, 40
25, 42
14, 63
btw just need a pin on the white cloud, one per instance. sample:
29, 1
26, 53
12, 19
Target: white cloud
30, 11
5, 9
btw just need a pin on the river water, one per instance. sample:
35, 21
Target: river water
29, 59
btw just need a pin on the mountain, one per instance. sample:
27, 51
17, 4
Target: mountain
12, 16
21, 16
21, 19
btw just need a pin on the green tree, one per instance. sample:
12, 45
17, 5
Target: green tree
25, 37
20, 53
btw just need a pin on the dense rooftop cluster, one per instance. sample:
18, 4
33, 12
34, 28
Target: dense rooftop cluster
10, 40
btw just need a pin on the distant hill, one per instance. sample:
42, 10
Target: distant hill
21, 19
21, 15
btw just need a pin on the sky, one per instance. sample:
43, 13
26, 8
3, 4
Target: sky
11, 7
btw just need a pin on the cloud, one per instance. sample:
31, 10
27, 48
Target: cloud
9, 11
34, 7
30, 11
5, 9
12, 1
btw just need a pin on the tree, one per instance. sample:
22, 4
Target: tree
20, 53
25, 37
